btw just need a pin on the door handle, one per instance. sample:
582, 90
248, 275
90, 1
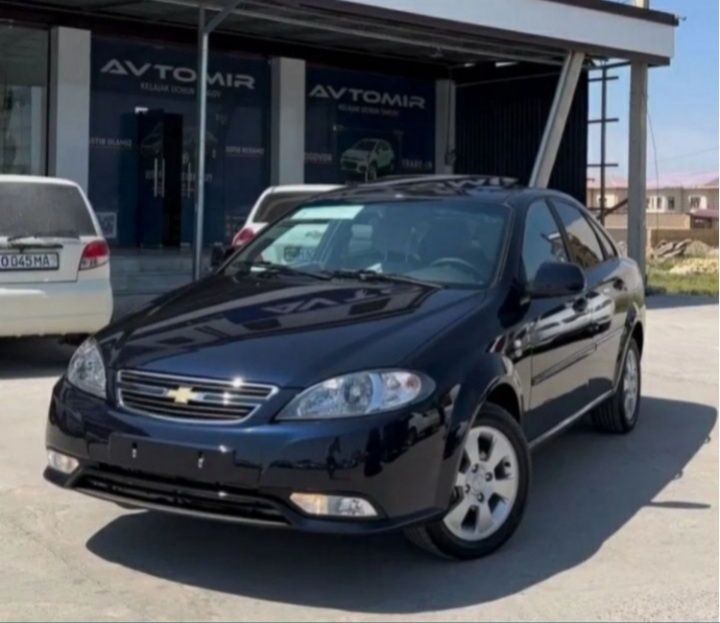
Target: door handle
155, 177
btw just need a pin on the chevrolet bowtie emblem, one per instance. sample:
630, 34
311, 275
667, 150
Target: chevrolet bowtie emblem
182, 395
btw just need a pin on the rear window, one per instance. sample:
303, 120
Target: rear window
277, 205
45, 210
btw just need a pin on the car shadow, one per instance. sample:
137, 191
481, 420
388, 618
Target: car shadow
586, 486
27, 358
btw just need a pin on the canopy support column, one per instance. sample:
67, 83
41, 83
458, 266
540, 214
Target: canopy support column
637, 163
555, 126
204, 30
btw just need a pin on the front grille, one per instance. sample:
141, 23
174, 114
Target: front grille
154, 492
189, 398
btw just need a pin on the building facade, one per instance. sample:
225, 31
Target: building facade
327, 91
668, 198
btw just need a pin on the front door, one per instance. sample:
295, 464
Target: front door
557, 332
608, 297
160, 158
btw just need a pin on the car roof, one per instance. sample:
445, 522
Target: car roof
35, 179
491, 187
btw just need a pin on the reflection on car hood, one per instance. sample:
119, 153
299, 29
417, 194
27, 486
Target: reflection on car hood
285, 331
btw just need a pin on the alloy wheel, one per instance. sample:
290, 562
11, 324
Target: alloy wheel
631, 385
486, 485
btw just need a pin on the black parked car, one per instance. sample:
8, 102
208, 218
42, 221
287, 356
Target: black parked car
381, 358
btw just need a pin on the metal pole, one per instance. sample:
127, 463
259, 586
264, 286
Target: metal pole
555, 126
637, 163
201, 124
603, 132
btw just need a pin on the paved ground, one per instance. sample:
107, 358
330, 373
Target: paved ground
617, 527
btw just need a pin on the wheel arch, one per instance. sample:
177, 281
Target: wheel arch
494, 380
503, 394
638, 334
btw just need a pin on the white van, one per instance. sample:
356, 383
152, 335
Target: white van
54, 261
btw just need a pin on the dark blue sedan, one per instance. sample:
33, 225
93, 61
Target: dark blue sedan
384, 357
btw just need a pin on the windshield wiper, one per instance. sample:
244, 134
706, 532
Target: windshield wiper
365, 274
272, 267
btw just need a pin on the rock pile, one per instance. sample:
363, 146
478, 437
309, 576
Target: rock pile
682, 248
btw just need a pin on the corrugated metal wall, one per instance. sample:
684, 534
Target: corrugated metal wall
501, 115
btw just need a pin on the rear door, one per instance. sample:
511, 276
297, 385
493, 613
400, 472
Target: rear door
44, 227
607, 296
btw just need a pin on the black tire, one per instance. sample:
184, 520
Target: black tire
610, 416
438, 539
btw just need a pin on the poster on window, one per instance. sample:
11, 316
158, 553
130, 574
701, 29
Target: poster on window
364, 126
143, 140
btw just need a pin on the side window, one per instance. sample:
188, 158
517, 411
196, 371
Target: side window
542, 241
583, 243
604, 237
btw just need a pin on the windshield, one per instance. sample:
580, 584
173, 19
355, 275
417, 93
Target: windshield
445, 242
365, 145
44, 210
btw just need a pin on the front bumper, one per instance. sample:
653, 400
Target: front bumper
358, 166
246, 472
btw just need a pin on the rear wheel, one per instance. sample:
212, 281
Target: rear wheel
490, 491
619, 414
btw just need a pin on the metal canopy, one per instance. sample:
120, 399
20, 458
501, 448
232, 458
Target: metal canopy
337, 24
369, 27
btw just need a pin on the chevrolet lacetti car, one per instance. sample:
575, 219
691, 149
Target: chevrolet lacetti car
394, 378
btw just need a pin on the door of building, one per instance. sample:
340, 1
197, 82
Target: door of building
159, 199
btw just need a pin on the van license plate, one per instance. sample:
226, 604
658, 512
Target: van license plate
29, 261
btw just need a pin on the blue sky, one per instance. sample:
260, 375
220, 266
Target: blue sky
683, 100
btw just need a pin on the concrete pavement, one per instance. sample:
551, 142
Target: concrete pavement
617, 527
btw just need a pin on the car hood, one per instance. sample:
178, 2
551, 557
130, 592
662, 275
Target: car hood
290, 332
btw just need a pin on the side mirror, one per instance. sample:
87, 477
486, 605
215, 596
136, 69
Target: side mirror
557, 279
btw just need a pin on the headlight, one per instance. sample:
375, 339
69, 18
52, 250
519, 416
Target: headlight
359, 393
87, 370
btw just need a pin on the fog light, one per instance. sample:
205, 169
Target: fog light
333, 505
62, 462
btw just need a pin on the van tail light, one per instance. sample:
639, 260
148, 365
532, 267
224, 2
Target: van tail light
244, 236
95, 254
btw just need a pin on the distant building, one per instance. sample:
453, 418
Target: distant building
688, 195
677, 208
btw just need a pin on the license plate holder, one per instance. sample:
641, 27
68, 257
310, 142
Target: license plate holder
169, 459
29, 261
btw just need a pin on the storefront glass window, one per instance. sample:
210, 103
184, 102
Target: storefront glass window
361, 126
23, 99
143, 140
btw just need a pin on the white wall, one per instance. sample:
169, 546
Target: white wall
287, 135
69, 123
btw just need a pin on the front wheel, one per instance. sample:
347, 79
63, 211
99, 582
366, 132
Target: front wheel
490, 491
